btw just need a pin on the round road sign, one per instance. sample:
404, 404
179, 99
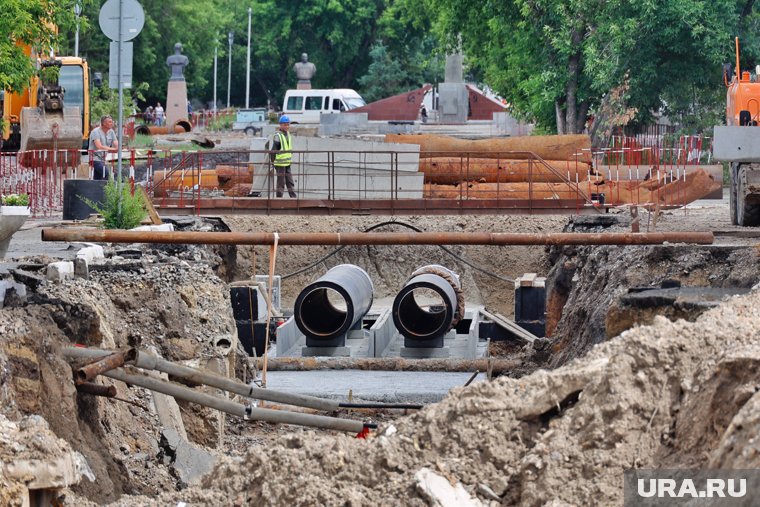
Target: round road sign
133, 19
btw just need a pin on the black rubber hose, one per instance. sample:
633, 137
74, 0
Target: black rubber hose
411, 406
408, 226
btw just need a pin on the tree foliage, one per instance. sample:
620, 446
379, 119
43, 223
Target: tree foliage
28, 24
557, 60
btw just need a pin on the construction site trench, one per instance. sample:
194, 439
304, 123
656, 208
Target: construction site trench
652, 361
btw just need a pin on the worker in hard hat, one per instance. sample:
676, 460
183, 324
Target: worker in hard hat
281, 156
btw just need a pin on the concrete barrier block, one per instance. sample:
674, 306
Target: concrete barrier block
91, 253
155, 228
59, 271
81, 268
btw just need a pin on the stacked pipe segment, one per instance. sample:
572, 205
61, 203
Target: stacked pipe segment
568, 147
417, 323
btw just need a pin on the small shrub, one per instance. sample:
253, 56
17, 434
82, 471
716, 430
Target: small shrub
15, 200
221, 122
120, 209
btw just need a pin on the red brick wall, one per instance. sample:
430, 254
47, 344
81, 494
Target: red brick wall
401, 107
482, 107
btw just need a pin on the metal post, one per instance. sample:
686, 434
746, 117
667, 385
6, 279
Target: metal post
216, 55
121, 100
78, 12
230, 37
248, 62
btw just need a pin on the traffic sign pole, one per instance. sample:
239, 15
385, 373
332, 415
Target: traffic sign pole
121, 101
120, 29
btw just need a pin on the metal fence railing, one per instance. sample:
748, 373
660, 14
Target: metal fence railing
220, 182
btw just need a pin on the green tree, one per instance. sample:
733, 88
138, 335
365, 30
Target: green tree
384, 78
193, 23
337, 36
30, 24
557, 60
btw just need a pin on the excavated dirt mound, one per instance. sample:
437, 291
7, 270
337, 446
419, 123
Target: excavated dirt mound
674, 393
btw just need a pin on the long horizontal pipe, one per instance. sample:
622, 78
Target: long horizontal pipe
151, 362
236, 409
388, 364
374, 238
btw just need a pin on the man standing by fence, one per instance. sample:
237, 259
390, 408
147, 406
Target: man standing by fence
282, 155
102, 140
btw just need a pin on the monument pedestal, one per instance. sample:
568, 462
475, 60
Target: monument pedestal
303, 85
176, 102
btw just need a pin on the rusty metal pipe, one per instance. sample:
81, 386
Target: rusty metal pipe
153, 130
96, 389
90, 371
374, 238
388, 364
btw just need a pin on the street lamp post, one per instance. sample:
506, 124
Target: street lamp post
216, 54
229, 68
78, 12
248, 62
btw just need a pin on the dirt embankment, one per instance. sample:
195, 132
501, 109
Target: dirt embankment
178, 307
585, 282
677, 394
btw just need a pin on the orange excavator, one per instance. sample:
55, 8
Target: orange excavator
738, 143
52, 113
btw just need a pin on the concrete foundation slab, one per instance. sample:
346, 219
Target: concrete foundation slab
378, 386
344, 169
326, 351
433, 353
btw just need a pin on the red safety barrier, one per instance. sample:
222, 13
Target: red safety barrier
40, 174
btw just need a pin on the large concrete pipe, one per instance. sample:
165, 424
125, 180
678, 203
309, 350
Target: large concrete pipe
328, 308
421, 323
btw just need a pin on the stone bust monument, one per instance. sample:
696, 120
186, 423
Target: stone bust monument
177, 62
304, 70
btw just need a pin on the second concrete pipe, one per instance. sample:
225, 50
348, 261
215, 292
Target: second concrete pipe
421, 322
323, 320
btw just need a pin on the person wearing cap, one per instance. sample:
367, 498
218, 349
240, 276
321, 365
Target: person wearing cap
102, 140
281, 156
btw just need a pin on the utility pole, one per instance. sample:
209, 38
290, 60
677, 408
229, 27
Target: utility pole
78, 12
229, 68
248, 62
216, 55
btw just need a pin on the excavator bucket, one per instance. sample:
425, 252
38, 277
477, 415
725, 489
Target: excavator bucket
51, 130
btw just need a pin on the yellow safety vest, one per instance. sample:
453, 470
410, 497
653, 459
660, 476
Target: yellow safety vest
284, 156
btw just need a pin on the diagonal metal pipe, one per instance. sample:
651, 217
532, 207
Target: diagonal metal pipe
374, 238
236, 409
151, 362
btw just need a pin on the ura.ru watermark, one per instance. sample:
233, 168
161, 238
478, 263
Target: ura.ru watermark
691, 487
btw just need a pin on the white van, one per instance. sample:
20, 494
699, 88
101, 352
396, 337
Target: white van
305, 106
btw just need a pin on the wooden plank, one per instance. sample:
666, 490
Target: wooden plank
510, 326
152, 213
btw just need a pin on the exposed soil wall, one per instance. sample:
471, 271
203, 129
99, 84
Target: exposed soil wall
177, 307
